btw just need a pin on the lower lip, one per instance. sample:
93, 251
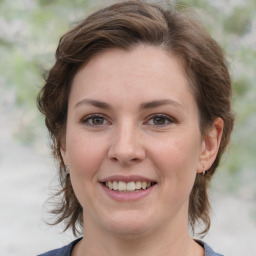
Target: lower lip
127, 196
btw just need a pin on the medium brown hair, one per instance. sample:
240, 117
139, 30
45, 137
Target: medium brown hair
125, 25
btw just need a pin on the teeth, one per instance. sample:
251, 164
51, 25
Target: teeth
138, 185
129, 186
144, 184
121, 186
115, 185
110, 185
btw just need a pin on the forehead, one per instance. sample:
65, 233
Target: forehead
155, 56
147, 71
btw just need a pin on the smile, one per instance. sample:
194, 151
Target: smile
131, 186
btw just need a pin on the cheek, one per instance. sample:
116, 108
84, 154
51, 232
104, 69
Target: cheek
179, 151
86, 156
85, 153
177, 160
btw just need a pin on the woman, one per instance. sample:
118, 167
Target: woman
138, 109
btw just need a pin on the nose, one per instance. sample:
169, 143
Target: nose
126, 146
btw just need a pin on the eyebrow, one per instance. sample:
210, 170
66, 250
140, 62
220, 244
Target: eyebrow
146, 105
96, 103
158, 103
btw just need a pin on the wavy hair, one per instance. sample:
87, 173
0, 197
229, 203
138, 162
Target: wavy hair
125, 25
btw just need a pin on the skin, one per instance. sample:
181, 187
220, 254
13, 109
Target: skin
130, 138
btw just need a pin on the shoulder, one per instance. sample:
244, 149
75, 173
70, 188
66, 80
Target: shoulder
208, 250
63, 251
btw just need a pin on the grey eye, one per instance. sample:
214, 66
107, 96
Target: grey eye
97, 120
94, 120
159, 120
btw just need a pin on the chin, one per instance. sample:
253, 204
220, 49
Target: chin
129, 224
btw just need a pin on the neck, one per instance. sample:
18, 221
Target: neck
171, 241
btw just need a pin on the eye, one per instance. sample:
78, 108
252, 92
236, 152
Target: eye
160, 120
95, 120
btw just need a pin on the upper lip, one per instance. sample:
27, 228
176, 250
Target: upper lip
126, 178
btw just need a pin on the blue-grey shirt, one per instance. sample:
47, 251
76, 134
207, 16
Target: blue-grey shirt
66, 250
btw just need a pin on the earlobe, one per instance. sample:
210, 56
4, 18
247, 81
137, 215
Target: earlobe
210, 145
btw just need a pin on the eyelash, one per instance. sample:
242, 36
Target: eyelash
89, 118
163, 116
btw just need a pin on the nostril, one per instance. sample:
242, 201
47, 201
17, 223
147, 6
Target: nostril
124, 160
126, 154
113, 157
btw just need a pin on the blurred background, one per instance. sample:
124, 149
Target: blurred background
29, 33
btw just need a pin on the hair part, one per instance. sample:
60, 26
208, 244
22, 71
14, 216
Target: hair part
125, 25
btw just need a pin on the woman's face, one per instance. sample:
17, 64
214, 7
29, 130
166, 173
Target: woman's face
133, 141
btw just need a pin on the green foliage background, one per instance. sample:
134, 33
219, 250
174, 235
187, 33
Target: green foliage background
29, 33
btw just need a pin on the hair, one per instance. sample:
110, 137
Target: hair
125, 25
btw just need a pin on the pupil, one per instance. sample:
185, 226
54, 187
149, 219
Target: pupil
159, 120
97, 120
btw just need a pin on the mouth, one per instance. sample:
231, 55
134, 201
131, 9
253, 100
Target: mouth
128, 187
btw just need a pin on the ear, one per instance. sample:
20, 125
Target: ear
210, 145
63, 151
